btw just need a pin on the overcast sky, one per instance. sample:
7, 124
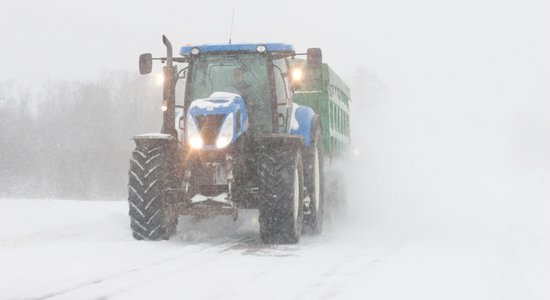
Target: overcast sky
397, 39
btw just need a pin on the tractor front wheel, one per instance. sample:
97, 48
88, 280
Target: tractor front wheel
281, 196
152, 217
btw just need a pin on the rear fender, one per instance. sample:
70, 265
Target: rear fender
301, 122
282, 141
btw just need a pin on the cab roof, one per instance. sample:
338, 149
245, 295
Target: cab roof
246, 48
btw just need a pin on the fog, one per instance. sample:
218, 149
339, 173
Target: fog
448, 187
450, 99
458, 128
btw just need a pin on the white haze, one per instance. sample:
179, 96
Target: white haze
451, 99
459, 128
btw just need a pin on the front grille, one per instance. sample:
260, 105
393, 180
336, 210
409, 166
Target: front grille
209, 126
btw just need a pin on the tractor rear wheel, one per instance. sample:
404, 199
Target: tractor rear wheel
314, 181
281, 196
152, 217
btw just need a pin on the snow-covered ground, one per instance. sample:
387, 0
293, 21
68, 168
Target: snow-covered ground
62, 249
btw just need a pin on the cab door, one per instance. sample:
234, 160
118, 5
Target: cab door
282, 94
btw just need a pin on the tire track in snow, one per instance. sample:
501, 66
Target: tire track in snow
246, 243
140, 269
363, 253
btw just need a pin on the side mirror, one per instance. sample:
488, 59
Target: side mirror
145, 63
314, 58
314, 68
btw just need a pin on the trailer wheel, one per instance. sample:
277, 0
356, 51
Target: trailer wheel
281, 196
151, 216
314, 180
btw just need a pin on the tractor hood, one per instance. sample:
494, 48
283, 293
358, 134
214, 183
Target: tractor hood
218, 120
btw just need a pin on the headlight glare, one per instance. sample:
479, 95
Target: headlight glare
222, 142
193, 134
297, 75
195, 142
226, 132
160, 79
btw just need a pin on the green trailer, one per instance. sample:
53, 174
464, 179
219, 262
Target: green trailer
327, 94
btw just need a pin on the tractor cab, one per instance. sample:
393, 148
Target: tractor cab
257, 73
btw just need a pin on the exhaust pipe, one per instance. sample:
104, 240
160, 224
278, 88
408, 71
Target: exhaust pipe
168, 45
169, 91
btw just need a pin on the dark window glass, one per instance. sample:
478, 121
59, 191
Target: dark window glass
281, 91
243, 74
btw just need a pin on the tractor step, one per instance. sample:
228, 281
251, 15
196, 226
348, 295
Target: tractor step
221, 198
206, 206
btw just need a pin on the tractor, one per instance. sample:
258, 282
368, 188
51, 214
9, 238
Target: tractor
239, 140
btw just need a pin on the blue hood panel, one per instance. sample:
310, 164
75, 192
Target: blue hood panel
222, 103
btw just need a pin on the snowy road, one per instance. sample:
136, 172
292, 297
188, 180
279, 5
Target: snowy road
84, 250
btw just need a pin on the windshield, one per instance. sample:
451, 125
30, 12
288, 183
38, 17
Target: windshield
243, 74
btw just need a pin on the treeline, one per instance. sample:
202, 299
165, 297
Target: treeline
71, 139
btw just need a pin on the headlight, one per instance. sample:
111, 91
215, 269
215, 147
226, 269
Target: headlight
196, 142
226, 132
193, 134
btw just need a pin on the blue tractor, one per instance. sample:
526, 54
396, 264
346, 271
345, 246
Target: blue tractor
238, 141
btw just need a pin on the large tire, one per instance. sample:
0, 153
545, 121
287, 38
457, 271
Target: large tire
152, 217
281, 196
314, 181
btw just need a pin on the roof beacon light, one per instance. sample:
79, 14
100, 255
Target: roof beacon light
244, 48
195, 51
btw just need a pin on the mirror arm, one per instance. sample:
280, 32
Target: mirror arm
181, 71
